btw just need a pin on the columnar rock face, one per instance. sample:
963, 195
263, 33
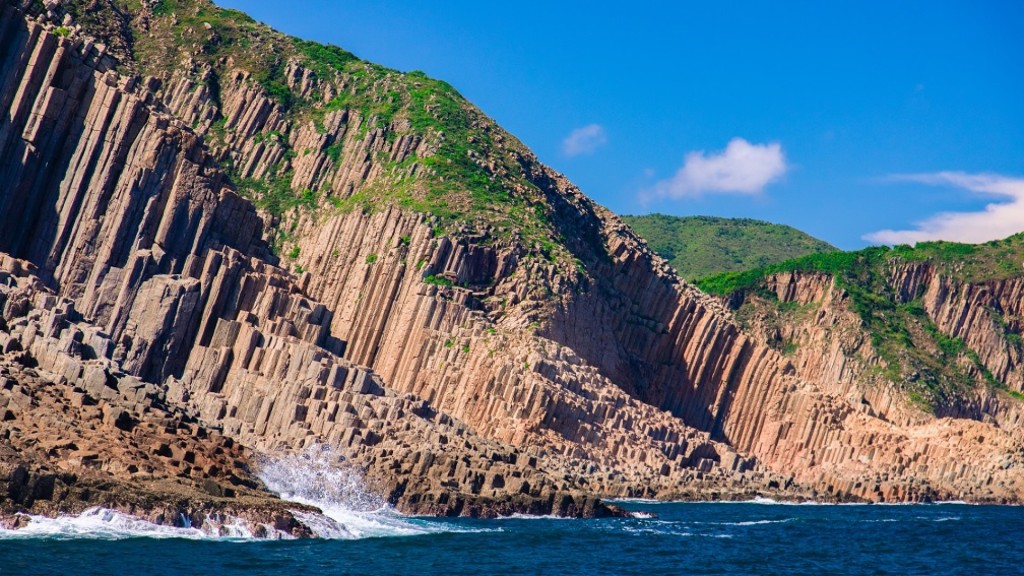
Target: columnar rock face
863, 419
77, 432
173, 275
462, 372
982, 315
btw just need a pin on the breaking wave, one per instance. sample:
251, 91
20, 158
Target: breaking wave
105, 524
315, 477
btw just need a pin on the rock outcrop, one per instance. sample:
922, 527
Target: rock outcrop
464, 369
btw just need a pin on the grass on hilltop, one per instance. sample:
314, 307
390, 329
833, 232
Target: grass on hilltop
464, 175
702, 246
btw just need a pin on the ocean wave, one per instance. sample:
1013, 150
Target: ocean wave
773, 502
669, 529
757, 522
518, 516
106, 524
661, 531
317, 477
314, 477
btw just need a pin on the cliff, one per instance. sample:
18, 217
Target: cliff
296, 247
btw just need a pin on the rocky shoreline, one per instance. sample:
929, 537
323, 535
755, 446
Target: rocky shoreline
78, 432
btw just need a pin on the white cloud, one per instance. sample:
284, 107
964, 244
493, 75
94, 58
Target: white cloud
584, 140
997, 220
742, 168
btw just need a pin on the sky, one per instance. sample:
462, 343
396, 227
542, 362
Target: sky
858, 122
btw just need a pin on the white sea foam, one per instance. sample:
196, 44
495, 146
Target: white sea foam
518, 516
747, 522
635, 501
939, 519
773, 502
106, 524
675, 530
315, 477
666, 529
757, 522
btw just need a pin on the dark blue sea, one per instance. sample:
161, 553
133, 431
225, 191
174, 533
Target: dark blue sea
744, 538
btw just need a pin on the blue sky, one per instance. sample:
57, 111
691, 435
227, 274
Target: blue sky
858, 122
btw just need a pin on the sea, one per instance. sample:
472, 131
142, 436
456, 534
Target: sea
361, 535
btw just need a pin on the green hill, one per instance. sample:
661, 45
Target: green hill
460, 168
702, 246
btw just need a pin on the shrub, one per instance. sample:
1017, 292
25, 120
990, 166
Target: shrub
333, 151
323, 58
278, 91
438, 280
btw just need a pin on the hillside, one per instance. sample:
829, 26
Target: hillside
296, 248
334, 115
899, 295
702, 246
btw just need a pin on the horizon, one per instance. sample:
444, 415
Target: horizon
907, 120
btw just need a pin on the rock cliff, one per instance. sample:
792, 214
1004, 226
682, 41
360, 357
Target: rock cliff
292, 247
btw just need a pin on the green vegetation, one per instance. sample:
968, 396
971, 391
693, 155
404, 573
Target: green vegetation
333, 151
371, 258
275, 194
467, 173
931, 366
438, 280
323, 60
702, 246
62, 31
967, 262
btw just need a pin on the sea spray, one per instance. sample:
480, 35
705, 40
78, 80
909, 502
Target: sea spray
106, 524
315, 477
319, 477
